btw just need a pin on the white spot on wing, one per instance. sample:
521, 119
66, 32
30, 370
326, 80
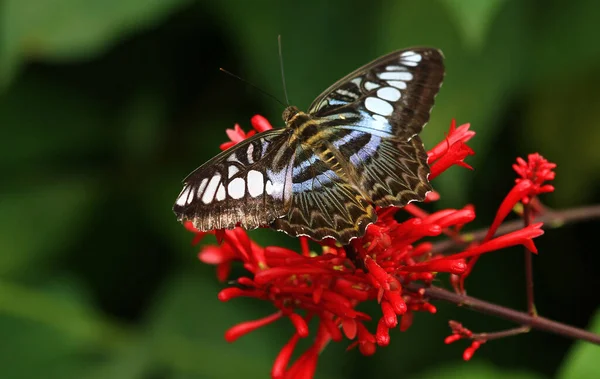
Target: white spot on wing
278, 179
221, 193
233, 170
182, 199
371, 86
396, 76
255, 183
236, 188
249, 153
201, 187
406, 76
397, 84
209, 194
343, 92
388, 93
411, 56
269, 187
383, 121
379, 106
395, 68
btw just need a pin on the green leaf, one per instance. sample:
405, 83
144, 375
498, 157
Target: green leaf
474, 370
31, 350
143, 126
46, 196
563, 36
70, 29
560, 125
38, 220
473, 18
40, 116
316, 50
187, 325
128, 362
53, 332
582, 360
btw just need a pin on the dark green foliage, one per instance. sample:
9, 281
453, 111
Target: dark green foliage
106, 106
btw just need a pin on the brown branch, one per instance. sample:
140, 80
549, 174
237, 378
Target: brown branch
521, 318
502, 334
460, 330
551, 219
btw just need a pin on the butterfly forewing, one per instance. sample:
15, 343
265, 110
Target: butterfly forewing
247, 185
392, 95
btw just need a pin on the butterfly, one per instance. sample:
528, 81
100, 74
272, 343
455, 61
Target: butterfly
322, 175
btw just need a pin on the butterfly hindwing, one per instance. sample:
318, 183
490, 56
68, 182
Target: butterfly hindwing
247, 185
324, 203
373, 116
391, 171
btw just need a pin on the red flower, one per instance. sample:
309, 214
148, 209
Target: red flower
451, 151
533, 174
259, 123
329, 285
459, 332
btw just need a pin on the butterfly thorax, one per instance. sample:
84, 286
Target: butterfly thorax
289, 114
296, 119
314, 142
304, 126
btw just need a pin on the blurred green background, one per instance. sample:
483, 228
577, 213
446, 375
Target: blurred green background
105, 106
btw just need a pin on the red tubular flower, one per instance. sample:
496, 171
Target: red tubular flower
536, 168
329, 286
533, 174
460, 134
246, 327
235, 135
306, 365
452, 151
460, 332
283, 359
470, 351
454, 156
406, 321
260, 124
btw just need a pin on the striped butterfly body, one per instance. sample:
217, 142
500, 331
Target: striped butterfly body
322, 175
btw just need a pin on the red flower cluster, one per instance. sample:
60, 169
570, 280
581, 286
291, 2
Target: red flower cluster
381, 266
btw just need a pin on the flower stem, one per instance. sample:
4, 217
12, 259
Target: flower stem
521, 318
529, 266
551, 219
501, 334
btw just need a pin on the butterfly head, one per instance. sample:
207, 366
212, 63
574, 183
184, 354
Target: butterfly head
289, 114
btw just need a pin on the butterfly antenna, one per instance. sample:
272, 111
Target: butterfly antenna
253, 86
287, 100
